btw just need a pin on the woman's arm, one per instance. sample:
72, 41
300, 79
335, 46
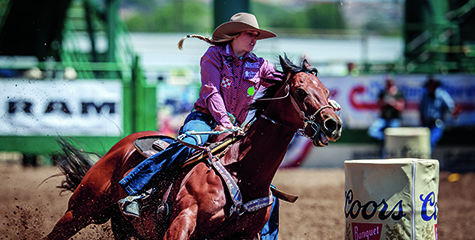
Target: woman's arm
211, 80
268, 71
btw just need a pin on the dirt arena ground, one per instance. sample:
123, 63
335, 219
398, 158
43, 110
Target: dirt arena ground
29, 210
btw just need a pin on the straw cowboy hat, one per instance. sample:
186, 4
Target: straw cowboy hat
240, 22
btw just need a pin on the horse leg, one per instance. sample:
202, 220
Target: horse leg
68, 225
183, 225
79, 215
121, 228
89, 201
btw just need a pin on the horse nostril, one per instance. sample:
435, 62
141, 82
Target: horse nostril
330, 125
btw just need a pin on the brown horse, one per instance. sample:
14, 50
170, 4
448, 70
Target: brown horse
200, 202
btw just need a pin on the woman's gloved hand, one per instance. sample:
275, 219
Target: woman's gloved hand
222, 136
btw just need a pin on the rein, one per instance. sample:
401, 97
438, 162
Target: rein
238, 206
306, 120
311, 120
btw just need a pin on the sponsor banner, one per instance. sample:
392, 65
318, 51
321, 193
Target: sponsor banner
391, 199
358, 97
56, 107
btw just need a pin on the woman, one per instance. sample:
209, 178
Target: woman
230, 75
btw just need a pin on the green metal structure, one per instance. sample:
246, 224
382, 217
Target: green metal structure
224, 9
440, 36
48, 34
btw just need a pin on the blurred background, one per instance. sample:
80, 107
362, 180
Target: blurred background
98, 70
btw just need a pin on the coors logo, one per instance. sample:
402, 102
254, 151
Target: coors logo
369, 209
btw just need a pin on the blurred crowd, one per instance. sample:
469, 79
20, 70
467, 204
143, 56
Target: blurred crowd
434, 105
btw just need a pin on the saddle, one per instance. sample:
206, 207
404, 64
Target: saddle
155, 206
151, 145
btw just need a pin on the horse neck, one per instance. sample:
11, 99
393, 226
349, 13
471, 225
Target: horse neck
260, 154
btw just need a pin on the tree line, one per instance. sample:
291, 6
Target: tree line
197, 16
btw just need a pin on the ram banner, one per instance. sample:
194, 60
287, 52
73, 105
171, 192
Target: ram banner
61, 108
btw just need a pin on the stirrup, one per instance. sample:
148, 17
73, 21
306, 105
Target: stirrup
131, 206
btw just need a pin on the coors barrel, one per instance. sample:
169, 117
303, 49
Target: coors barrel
391, 199
407, 142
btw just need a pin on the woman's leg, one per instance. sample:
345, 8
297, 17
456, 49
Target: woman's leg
153, 168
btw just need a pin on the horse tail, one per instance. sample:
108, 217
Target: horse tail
74, 164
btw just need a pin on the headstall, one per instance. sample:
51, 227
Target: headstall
310, 120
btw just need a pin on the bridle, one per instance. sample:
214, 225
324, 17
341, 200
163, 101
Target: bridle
307, 120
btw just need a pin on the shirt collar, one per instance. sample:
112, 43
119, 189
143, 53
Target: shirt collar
228, 52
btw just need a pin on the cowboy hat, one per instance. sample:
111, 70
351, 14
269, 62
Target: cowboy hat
240, 22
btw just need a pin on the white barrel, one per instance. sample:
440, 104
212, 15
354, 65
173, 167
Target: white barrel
391, 199
407, 142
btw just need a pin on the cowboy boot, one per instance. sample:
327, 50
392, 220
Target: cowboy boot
132, 205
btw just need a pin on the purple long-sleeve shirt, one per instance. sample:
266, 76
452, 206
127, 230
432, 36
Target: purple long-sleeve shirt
229, 84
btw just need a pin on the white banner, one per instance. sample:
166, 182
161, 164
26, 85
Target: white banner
358, 97
66, 108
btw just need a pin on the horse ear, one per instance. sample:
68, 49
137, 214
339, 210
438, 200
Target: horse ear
284, 64
306, 64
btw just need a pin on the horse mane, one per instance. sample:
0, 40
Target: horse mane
287, 67
260, 106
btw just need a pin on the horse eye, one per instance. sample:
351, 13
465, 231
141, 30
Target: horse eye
301, 92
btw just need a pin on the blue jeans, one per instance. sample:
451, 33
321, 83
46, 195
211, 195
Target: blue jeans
376, 130
152, 169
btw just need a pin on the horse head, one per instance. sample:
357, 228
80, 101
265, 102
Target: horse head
312, 115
